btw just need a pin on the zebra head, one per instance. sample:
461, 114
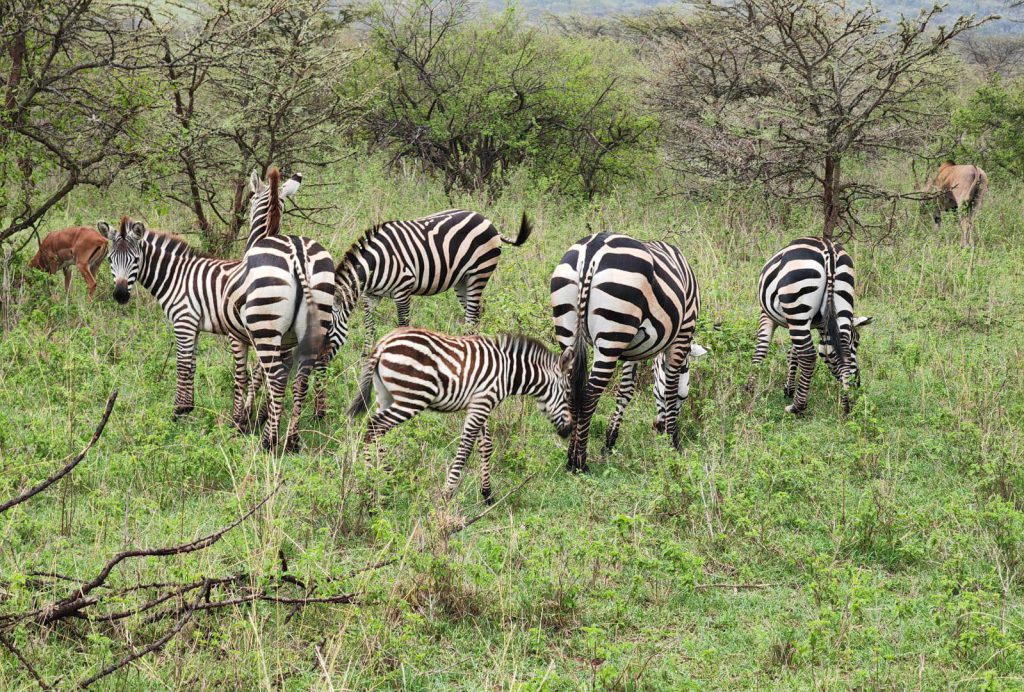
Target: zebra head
125, 254
696, 351
553, 397
260, 200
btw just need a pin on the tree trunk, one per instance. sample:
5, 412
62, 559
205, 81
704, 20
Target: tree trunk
830, 196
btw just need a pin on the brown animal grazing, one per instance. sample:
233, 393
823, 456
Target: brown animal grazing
80, 246
960, 189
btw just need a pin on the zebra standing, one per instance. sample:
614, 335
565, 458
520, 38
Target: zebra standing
632, 301
809, 285
399, 259
283, 285
417, 369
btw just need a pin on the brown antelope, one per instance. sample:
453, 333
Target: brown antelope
960, 189
81, 246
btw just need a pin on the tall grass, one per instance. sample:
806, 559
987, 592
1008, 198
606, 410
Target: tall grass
880, 549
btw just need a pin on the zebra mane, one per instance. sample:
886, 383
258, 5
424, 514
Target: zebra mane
177, 245
525, 344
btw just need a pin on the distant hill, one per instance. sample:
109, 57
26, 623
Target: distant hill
892, 8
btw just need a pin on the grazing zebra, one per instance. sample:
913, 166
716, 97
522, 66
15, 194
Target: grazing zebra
632, 301
423, 257
417, 369
282, 287
809, 285
259, 203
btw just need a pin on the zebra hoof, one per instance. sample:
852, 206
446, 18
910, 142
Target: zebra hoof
268, 444
794, 410
180, 411
293, 445
610, 439
488, 496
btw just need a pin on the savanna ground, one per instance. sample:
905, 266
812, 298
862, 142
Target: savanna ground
882, 549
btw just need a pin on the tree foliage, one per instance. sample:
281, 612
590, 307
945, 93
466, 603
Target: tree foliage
784, 93
72, 97
990, 126
473, 99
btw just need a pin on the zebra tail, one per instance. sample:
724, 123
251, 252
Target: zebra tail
579, 375
312, 343
274, 210
829, 312
363, 399
525, 229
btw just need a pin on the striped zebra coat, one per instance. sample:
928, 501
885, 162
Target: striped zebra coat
632, 301
417, 369
454, 249
283, 287
808, 285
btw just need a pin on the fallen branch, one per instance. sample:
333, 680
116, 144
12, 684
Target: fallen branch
159, 643
737, 587
70, 466
9, 645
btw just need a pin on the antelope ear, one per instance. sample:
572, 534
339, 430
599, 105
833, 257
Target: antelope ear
105, 229
137, 229
697, 351
859, 322
254, 181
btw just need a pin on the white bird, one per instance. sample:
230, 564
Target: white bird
291, 185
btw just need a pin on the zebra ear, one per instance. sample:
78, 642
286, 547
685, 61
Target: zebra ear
137, 229
859, 322
105, 229
254, 181
565, 360
697, 351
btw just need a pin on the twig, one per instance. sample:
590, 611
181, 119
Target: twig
146, 650
497, 502
9, 645
68, 468
79, 599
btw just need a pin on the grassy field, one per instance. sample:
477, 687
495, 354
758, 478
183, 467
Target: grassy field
883, 549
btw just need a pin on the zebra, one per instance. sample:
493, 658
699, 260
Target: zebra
809, 285
417, 369
284, 284
259, 202
631, 300
399, 259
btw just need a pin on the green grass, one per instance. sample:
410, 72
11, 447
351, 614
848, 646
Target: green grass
883, 549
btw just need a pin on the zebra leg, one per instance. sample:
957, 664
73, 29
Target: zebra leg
486, 446
403, 304
276, 375
320, 389
476, 419
678, 354
623, 395
471, 295
765, 330
185, 335
792, 366
804, 356
239, 410
600, 376
369, 304
300, 386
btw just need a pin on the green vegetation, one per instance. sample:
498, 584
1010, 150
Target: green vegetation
878, 550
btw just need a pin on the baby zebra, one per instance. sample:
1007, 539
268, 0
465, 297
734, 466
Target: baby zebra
809, 285
417, 369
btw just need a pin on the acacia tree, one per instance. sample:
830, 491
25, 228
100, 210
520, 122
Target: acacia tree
785, 92
248, 84
72, 94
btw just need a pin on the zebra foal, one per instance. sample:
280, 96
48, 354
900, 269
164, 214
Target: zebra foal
632, 301
808, 285
417, 369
